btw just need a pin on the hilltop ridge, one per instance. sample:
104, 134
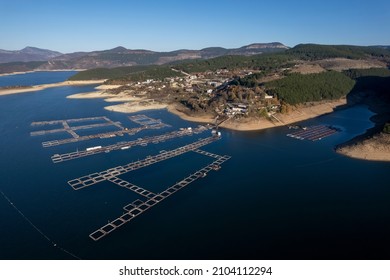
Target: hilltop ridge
120, 56
27, 54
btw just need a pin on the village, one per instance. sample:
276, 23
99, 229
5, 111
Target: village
218, 93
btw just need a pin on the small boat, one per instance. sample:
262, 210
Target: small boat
293, 127
93, 148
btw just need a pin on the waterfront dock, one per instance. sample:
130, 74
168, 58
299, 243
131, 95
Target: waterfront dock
124, 145
94, 178
314, 133
111, 134
71, 130
139, 206
144, 122
146, 198
43, 123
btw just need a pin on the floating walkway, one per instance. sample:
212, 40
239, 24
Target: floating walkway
111, 134
94, 178
71, 129
144, 121
147, 199
139, 206
132, 187
314, 133
57, 158
68, 121
66, 127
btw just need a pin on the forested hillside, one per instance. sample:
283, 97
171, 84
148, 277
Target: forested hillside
11, 67
297, 88
316, 52
264, 62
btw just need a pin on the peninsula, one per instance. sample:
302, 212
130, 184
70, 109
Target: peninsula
22, 89
244, 92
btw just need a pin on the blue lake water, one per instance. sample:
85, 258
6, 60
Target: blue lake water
276, 198
35, 78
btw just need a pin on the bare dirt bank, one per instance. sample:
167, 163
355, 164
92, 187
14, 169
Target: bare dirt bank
247, 124
375, 148
136, 103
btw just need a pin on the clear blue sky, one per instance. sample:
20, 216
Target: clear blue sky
164, 25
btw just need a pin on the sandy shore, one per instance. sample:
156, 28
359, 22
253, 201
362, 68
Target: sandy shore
312, 111
244, 125
25, 72
108, 97
15, 73
136, 104
375, 148
261, 123
132, 103
104, 87
91, 95
45, 86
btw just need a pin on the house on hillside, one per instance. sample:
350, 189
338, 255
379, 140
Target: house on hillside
236, 109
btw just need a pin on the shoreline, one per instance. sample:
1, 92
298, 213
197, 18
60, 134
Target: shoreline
358, 148
16, 73
254, 124
374, 148
33, 71
136, 104
373, 144
8, 91
365, 147
108, 97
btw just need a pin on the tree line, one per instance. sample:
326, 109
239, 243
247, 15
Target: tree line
298, 88
316, 52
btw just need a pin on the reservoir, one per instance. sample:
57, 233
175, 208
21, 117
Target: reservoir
276, 197
35, 78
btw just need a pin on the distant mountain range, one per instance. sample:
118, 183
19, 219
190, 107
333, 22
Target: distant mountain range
121, 56
27, 54
31, 58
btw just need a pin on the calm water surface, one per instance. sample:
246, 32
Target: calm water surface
276, 198
35, 78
